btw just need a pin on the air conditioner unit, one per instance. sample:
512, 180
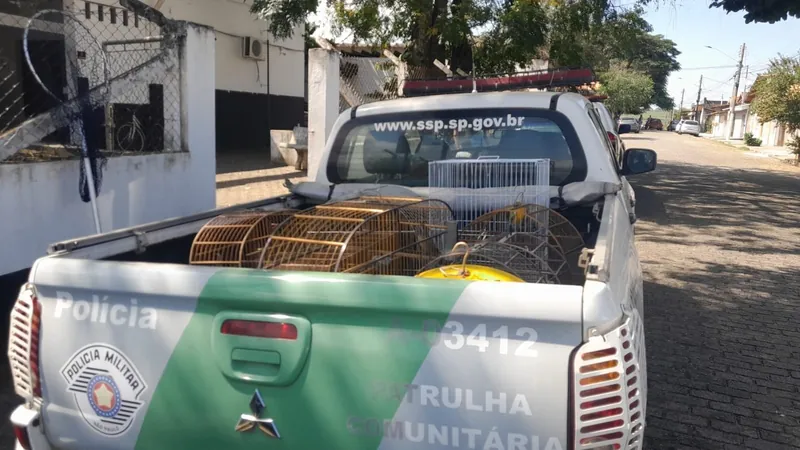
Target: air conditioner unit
253, 48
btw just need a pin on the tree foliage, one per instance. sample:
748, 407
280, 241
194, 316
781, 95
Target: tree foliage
770, 11
758, 11
777, 93
628, 91
622, 38
496, 36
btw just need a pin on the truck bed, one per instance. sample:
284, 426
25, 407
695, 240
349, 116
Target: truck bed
177, 249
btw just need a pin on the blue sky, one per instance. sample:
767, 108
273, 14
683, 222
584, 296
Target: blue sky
693, 26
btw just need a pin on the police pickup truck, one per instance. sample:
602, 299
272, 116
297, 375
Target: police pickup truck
118, 342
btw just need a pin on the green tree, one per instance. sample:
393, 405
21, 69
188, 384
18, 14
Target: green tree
628, 91
777, 93
619, 37
514, 30
495, 35
759, 10
308, 31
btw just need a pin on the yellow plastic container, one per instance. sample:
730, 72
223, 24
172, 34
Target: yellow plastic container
470, 272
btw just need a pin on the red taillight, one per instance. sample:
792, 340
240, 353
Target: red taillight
21, 433
23, 344
607, 391
36, 325
612, 137
270, 330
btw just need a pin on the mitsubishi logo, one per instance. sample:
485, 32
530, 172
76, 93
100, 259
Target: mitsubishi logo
248, 422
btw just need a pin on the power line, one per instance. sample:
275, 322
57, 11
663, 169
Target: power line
708, 68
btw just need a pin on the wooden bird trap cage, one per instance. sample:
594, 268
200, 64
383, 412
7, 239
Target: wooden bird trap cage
375, 235
235, 240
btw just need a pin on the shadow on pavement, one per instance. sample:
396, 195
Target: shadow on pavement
232, 161
721, 255
633, 137
745, 203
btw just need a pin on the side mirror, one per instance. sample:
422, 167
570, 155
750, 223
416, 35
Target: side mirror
638, 160
624, 128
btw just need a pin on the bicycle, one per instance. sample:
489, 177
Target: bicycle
131, 137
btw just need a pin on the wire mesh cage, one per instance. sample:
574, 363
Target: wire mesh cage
530, 219
508, 257
542, 231
375, 235
477, 186
235, 240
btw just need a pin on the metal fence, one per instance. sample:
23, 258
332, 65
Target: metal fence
365, 80
371, 79
118, 56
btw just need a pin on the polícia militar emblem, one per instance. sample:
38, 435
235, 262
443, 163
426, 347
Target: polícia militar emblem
106, 387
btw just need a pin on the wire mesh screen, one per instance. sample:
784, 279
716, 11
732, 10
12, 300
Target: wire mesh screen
366, 79
114, 56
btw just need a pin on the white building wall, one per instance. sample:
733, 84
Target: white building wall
41, 200
232, 20
739, 121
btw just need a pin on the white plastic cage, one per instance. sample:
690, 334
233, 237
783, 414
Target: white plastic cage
478, 186
495, 194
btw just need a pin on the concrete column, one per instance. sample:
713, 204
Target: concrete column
198, 105
323, 104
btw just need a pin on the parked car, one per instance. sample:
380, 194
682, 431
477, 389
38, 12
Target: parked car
689, 127
636, 127
608, 123
114, 346
654, 124
672, 125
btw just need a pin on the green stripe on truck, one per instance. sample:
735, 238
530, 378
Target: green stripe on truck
366, 339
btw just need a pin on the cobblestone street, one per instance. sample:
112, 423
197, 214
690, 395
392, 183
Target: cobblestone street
719, 241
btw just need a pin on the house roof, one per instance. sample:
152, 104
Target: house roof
711, 105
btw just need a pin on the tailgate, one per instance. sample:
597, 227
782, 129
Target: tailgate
165, 356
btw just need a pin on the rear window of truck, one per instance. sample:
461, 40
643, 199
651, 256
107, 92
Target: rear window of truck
396, 148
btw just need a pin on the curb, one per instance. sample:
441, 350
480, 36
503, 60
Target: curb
787, 158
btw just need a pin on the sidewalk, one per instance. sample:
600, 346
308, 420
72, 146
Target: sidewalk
781, 153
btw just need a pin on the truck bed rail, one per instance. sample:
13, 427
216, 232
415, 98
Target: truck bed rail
137, 238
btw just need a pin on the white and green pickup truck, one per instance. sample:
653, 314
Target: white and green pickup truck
117, 342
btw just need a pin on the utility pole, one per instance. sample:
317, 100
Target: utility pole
697, 103
746, 75
680, 109
732, 105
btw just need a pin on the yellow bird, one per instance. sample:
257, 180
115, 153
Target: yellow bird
518, 215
